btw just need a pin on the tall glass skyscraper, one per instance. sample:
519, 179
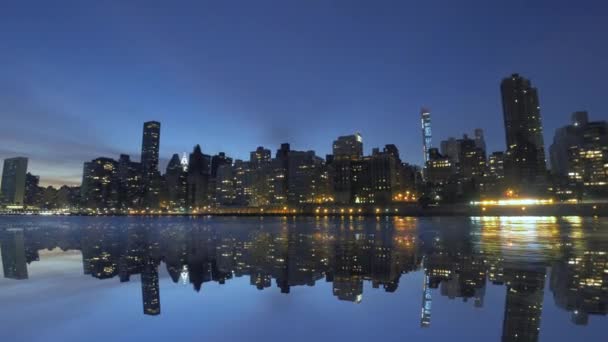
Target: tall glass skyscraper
149, 163
425, 119
13, 180
149, 149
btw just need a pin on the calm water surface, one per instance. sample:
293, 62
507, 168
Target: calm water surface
303, 279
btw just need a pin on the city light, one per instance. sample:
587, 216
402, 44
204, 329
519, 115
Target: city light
513, 202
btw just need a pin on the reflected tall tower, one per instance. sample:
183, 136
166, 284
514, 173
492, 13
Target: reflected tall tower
427, 300
12, 243
524, 303
150, 288
425, 120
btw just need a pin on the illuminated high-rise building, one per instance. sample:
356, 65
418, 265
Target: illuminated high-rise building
525, 165
425, 120
580, 153
13, 180
100, 184
149, 163
129, 179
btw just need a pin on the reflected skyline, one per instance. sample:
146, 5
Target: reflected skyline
519, 255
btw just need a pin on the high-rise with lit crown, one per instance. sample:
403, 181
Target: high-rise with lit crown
525, 159
425, 120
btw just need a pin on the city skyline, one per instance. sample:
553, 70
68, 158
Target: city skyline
91, 88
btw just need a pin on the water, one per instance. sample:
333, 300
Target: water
304, 279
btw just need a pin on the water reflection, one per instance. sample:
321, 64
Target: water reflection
458, 259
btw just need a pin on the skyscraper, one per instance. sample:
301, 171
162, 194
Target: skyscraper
176, 182
129, 182
13, 180
580, 153
149, 149
348, 147
480, 141
425, 120
100, 184
198, 178
149, 163
525, 160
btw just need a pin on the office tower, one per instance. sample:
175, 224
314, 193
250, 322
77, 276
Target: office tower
281, 173
149, 149
439, 168
260, 157
225, 185
100, 184
176, 180
278, 180
149, 164
150, 288
14, 263
348, 147
346, 151
384, 174
218, 160
451, 149
305, 177
580, 153
525, 165
480, 141
494, 175
472, 159
425, 120
13, 180
129, 182
33, 192
496, 165
198, 178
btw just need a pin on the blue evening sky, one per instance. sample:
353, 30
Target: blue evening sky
78, 78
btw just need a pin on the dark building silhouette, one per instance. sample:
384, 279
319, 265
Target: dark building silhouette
12, 187
176, 179
524, 303
525, 165
33, 191
198, 178
100, 184
217, 161
129, 182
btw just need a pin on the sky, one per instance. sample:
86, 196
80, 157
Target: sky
79, 78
